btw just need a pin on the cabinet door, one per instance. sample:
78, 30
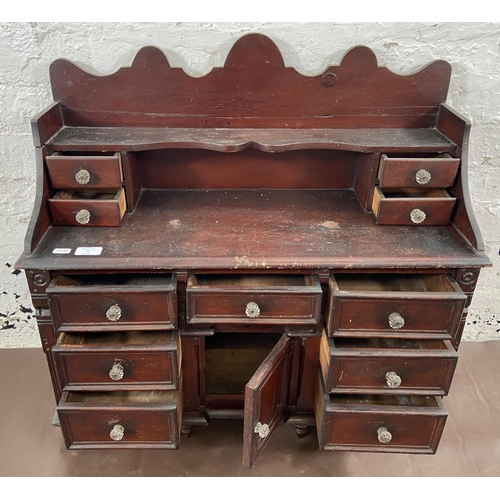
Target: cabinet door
265, 400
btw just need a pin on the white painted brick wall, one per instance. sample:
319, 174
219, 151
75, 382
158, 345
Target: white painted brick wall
27, 49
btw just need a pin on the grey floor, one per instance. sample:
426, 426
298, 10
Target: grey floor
31, 446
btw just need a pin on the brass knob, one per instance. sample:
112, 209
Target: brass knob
117, 372
252, 310
393, 379
396, 321
117, 432
383, 435
82, 216
82, 177
423, 177
417, 216
114, 313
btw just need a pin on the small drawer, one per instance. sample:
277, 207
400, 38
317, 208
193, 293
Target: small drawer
403, 424
412, 206
118, 360
121, 419
82, 172
415, 306
281, 300
88, 208
387, 366
113, 302
436, 172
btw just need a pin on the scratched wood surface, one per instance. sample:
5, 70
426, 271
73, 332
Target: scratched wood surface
259, 229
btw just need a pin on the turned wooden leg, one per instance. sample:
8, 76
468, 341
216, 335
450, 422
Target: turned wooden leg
301, 430
186, 430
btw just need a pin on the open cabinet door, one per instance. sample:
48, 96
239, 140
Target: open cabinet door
265, 400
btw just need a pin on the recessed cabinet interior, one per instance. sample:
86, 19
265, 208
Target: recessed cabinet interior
253, 244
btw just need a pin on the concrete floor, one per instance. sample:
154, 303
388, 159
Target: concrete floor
31, 446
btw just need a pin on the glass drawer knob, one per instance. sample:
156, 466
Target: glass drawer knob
417, 216
383, 435
114, 313
252, 310
396, 321
261, 429
82, 216
423, 177
117, 432
393, 379
117, 372
82, 177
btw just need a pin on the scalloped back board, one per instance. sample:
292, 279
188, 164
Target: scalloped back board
253, 89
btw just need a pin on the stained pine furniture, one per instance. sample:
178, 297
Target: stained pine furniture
252, 244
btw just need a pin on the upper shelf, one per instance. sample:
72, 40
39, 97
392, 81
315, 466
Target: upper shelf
231, 140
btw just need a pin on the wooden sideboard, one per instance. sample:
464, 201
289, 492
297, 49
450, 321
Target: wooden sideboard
252, 244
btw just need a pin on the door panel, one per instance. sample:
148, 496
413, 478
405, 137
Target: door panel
265, 400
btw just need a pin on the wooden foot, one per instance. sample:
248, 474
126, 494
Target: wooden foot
186, 430
301, 430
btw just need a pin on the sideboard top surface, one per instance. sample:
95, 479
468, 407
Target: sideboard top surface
253, 229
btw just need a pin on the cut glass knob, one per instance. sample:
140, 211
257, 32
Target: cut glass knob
82, 177
117, 372
117, 432
252, 310
82, 216
423, 177
383, 435
417, 216
393, 379
396, 321
114, 313
261, 429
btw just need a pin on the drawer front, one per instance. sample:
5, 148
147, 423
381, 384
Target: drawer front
436, 172
433, 208
403, 370
120, 425
82, 308
74, 209
296, 305
369, 426
82, 172
113, 367
399, 314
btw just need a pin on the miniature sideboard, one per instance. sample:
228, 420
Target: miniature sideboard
253, 244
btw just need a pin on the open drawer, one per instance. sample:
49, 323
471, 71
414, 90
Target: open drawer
85, 171
88, 208
121, 419
250, 300
404, 424
437, 171
412, 206
387, 366
394, 305
113, 302
118, 360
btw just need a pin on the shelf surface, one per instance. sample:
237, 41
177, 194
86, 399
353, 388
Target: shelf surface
252, 229
236, 139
